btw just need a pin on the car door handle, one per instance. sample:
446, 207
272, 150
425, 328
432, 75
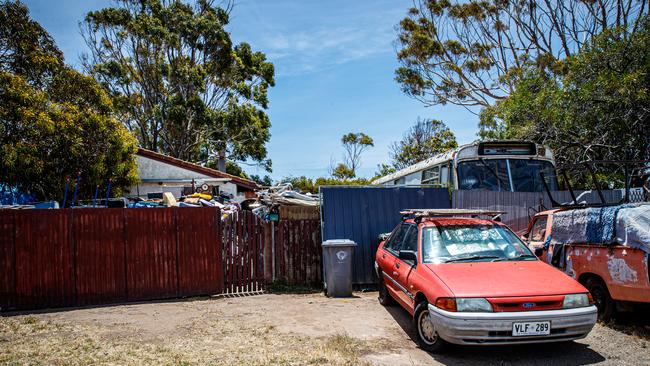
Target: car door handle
395, 274
383, 255
397, 265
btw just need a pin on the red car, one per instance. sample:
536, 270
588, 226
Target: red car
474, 282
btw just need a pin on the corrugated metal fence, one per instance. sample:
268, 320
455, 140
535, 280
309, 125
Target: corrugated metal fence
54, 258
362, 213
521, 206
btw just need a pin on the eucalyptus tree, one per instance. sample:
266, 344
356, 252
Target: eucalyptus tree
472, 53
180, 84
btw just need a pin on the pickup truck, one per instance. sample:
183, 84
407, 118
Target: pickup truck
615, 271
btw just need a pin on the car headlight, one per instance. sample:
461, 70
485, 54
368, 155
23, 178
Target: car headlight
464, 304
575, 301
473, 304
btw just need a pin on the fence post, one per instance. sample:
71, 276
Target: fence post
273, 251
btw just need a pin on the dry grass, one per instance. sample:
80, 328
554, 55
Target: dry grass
28, 340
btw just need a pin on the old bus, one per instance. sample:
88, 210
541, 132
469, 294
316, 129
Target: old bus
513, 166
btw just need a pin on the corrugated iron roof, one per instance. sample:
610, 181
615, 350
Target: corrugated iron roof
249, 184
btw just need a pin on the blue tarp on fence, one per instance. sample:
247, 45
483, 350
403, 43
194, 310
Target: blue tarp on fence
362, 213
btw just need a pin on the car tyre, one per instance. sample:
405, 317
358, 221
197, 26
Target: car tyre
427, 337
602, 298
384, 296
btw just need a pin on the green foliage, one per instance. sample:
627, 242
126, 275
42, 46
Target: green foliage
305, 184
265, 181
234, 169
472, 53
423, 140
342, 171
54, 121
179, 83
354, 144
383, 170
596, 109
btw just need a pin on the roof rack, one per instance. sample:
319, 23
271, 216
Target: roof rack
428, 212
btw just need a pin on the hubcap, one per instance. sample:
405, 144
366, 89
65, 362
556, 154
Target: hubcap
426, 328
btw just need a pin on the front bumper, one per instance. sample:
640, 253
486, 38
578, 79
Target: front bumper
496, 328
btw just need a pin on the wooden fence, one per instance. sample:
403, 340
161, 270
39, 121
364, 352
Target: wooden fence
298, 254
243, 238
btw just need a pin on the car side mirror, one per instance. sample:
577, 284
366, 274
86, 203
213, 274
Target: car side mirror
408, 255
539, 251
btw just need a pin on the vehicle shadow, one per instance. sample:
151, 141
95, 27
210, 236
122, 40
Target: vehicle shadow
563, 353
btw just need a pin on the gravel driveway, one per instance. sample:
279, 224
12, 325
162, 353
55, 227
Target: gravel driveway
271, 329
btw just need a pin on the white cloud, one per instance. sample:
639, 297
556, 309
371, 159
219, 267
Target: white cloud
323, 47
310, 37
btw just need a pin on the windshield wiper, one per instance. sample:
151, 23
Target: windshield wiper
519, 257
471, 258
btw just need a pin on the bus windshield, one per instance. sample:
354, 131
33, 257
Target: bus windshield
518, 175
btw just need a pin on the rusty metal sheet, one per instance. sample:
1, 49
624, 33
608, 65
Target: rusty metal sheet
151, 270
200, 271
99, 243
44, 259
7, 259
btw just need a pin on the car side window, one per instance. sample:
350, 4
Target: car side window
538, 231
395, 240
411, 239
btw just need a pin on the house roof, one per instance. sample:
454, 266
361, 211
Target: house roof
245, 183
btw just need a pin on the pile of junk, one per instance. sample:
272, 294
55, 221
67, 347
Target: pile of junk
270, 204
272, 200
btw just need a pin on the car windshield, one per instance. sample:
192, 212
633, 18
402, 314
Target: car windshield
499, 174
457, 243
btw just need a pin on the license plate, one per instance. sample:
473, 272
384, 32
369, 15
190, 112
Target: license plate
531, 329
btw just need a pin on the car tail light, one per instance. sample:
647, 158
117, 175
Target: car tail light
446, 303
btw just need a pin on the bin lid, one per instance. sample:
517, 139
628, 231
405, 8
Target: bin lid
339, 243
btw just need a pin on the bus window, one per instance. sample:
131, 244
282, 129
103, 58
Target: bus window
490, 175
431, 176
444, 175
526, 178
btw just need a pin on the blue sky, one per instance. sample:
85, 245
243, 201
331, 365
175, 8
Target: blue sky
334, 63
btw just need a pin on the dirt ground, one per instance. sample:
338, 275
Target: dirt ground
275, 329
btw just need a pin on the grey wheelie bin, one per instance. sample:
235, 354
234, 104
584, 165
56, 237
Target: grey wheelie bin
337, 267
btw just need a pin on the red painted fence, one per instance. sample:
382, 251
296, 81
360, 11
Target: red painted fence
55, 258
298, 253
243, 238
58, 258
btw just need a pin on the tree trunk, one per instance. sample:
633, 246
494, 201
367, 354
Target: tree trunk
221, 162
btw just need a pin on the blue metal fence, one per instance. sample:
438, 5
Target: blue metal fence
362, 213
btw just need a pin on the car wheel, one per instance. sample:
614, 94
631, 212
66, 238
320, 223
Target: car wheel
384, 297
427, 336
601, 296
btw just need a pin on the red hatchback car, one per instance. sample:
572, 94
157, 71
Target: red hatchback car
473, 281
